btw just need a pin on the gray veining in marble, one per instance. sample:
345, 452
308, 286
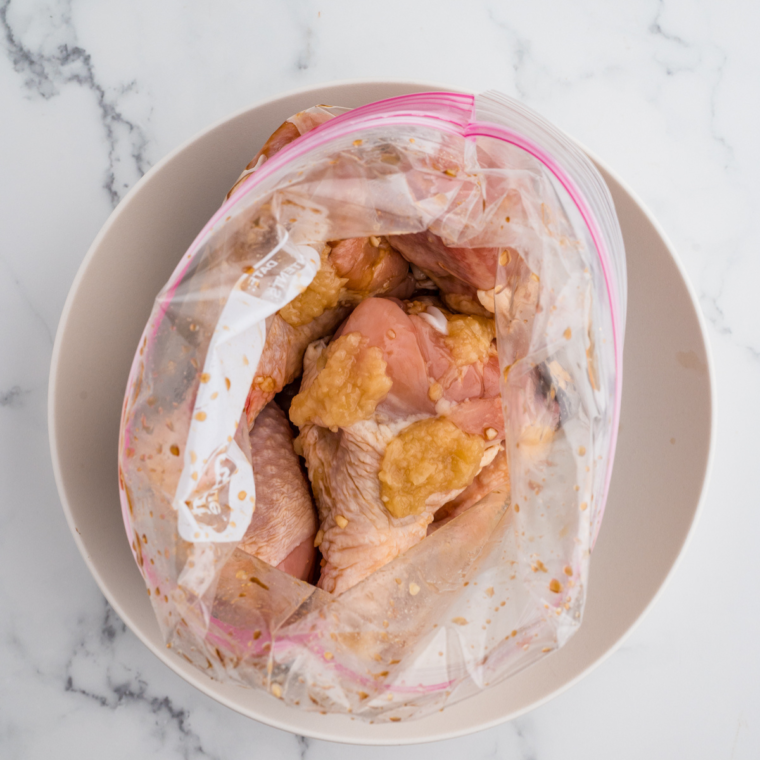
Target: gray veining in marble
93, 93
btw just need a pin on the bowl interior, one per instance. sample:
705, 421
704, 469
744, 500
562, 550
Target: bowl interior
660, 469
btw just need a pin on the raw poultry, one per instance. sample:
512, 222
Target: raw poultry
398, 415
399, 410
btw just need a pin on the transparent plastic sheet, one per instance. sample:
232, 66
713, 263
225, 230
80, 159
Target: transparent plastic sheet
489, 592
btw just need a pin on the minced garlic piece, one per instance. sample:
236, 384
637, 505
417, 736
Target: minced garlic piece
462, 303
435, 392
428, 457
486, 297
267, 384
351, 383
469, 338
323, 293
421, 307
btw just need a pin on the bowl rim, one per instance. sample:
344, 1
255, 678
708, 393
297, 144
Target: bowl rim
194, 678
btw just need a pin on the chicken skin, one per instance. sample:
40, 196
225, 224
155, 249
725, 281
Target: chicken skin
351, 270
282, 528
397, 419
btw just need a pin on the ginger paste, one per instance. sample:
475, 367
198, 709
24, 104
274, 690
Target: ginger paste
428, 457
469, 338
351, 383
323, 293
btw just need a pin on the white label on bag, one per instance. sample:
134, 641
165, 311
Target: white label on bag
216, 495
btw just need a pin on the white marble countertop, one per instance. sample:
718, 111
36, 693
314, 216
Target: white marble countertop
93, 93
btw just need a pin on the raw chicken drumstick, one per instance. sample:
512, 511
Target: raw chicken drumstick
465, 276
467, 281
351, 270
398, 415
281, 531
286, 133
282, 528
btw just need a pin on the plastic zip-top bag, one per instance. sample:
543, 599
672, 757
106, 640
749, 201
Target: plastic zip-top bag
369, 428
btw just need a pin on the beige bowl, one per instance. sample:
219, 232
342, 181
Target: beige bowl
663, 454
